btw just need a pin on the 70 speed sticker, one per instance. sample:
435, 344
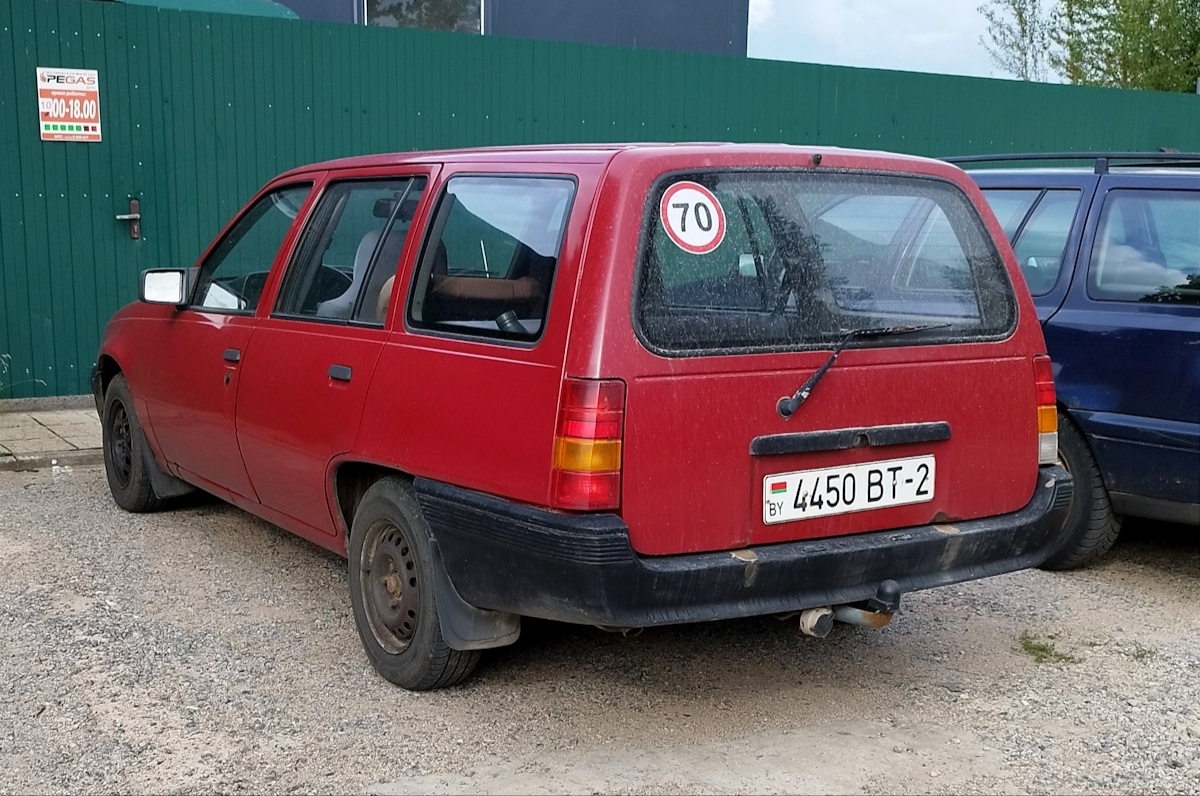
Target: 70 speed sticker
693, 218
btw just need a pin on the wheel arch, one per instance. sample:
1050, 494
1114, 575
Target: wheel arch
351, 480
1068, 415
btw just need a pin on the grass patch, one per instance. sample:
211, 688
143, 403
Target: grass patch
1140, 652
1043, 651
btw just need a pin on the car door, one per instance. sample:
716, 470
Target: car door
192, 390
1128, 338
303, 390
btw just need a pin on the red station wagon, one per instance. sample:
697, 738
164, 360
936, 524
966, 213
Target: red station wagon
614, 385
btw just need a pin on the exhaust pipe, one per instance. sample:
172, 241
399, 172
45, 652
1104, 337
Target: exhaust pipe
818, 622
871, 620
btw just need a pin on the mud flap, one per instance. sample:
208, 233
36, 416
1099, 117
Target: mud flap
164, 484
465, 627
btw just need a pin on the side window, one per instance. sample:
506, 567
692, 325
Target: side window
1011, 206
233, 276
490, 256
349, 251
938, 259
1043, 240
1148, 248
875, 219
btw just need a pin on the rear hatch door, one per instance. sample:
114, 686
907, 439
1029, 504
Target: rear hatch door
875, 308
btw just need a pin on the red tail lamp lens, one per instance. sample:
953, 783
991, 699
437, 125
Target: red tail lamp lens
1043, 379
587, 445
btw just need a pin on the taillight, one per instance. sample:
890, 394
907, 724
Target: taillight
1047, 411
587, 445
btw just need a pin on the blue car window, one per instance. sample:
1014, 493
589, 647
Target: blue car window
1011, 206
1148, 248
1043, 240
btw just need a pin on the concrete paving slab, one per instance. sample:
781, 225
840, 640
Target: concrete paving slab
75, 430
21, 446
27, 433
10, 419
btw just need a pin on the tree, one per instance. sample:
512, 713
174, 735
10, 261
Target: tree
1020, 36
461, 16
1149, 44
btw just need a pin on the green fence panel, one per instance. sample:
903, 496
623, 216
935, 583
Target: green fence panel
198, 110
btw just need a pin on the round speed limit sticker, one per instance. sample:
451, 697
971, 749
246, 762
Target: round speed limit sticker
693, 218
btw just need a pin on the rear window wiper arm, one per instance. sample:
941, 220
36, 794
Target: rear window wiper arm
787, 406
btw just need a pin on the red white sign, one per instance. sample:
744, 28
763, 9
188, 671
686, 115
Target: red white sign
693, 218
68, 104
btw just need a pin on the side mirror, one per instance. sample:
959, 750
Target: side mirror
166, 286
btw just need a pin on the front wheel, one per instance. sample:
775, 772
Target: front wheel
124, 456
1091, 527
392, 592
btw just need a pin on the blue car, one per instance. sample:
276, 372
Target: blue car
1111, 255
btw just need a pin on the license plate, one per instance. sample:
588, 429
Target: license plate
806, 494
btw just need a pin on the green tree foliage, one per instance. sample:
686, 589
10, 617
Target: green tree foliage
1019, 33
460, 16
1148, 44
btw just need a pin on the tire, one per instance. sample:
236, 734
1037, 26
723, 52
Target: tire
124, 451
1091, 528
392, 592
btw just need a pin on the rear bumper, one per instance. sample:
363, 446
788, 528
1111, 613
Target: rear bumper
581, 568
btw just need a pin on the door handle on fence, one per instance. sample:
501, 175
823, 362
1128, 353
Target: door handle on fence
233, 355
134, 217
340, 372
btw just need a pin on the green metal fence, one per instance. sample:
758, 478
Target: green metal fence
198, 110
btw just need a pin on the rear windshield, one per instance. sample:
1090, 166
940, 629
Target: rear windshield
744, 261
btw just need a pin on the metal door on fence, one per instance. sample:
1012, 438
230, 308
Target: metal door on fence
78, 213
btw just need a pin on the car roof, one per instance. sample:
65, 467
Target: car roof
604, 152
1089, 165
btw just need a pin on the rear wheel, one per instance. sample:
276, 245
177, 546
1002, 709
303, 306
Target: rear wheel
392, 592
1091, 527
124, 454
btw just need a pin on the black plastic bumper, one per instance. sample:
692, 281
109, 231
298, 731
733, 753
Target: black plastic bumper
581, 568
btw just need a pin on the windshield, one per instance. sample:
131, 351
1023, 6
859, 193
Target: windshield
740, 261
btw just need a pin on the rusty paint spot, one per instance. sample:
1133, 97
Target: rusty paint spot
947, 529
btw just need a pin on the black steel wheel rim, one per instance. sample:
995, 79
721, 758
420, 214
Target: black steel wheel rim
120, 445
390, 586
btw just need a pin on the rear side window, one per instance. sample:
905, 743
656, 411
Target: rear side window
1042, 242
1148, 248
796, 259
491, 254
1011, 206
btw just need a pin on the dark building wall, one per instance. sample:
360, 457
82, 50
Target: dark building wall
715, 27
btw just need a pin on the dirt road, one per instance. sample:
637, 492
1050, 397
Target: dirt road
201, 650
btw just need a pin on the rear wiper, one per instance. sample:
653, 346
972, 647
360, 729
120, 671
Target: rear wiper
788, 406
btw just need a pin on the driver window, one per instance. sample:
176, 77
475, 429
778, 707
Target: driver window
232, 278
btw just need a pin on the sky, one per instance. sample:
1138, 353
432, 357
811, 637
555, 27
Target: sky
913, 35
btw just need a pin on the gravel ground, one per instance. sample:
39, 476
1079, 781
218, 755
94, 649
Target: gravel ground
202, 650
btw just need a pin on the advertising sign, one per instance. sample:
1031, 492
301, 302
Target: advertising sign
68, 104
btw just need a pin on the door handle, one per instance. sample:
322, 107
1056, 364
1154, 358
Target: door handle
134, 217
233, 355
340, 372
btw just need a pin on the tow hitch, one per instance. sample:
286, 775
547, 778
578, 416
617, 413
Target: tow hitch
871, 614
